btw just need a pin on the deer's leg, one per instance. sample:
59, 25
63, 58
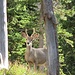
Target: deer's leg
35, 66
29, 66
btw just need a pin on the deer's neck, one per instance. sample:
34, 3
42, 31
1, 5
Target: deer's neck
29, 49
28, 52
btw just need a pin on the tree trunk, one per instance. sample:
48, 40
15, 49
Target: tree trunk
50, 25
3, 36
41, 41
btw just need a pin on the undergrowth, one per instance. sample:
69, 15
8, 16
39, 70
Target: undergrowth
20, 69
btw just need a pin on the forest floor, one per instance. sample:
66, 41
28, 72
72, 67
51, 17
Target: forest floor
20, 69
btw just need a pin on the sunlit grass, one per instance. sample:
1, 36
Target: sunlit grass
20, 69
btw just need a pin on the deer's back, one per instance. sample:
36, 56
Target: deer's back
40, 55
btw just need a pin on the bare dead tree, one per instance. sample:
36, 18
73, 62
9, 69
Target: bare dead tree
3, 36
50, 25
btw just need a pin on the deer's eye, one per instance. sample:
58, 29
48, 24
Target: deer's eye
27, 42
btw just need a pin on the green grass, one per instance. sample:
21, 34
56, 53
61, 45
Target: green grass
20, 69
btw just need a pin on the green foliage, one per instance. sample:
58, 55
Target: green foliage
23, 14
66, 29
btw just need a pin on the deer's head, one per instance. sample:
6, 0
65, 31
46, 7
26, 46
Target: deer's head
29, 39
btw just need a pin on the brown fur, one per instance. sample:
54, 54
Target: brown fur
36, 56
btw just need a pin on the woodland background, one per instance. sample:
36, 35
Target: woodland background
25, 14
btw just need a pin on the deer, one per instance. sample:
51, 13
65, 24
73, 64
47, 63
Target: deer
35, 56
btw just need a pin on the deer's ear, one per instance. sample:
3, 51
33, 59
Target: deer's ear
35, 36
24, 34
